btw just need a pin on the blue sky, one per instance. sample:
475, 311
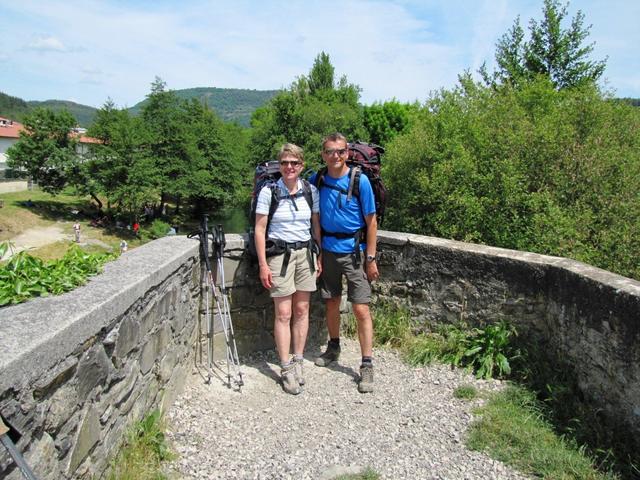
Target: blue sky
91, 50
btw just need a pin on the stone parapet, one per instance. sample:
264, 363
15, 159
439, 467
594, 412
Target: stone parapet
578, 317
77, 369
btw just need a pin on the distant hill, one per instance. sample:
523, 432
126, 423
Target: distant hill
83, 113
231, 104
12, 107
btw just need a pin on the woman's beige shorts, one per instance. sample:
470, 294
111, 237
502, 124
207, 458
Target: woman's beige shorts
298, 276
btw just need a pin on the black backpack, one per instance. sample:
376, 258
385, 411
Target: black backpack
363, 158
267, 175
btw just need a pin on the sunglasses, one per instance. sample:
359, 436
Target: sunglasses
288, 163
331, 151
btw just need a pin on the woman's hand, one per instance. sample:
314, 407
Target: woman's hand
266, 277
319, 265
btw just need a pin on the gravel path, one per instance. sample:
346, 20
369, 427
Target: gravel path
411, 427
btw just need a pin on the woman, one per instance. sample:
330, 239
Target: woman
287, 258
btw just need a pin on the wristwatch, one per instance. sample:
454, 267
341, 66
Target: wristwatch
371, 258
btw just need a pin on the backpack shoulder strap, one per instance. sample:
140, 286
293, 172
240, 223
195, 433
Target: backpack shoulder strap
354, 183
307, 193
275, 200
318, 182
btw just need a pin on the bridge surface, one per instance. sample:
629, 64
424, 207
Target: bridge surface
410, 427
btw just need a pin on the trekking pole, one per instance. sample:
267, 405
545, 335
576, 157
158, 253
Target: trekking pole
207, 285
14, 453
233, 361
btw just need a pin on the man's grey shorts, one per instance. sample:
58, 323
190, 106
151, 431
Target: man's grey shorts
334, 265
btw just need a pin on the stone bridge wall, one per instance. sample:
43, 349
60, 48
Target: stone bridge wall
75, 370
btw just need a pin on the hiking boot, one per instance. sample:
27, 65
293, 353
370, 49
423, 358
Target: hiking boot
331, 354
366, 379
289, 382
299, 370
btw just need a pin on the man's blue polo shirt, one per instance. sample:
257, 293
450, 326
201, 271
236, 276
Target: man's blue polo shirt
338, 215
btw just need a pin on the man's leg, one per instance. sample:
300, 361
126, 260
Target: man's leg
331, 290
365, 328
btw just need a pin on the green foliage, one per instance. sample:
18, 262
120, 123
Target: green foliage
384, 121
45, 150
391, 325
529, 168
24, 276
554, 52
313, 107
467, 392
143, 452
487, 351
512, 428
157, 229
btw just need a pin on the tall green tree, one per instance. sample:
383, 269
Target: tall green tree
171, 143
120, 167
384, 121
45, 150
312, 107
553, 50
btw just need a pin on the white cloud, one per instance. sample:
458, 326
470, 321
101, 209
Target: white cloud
46, 44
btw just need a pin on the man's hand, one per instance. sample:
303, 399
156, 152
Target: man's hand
372, 271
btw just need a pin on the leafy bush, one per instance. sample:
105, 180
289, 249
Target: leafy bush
157, 229
24, 276
529, 168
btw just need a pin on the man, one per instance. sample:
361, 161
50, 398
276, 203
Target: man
349, 231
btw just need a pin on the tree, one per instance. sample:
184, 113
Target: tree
553, 51
45, 150
312, 107
385, 120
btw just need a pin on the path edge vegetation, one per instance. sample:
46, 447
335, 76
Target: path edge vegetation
536, 424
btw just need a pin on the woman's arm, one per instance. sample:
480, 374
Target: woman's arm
260, 239
317, 233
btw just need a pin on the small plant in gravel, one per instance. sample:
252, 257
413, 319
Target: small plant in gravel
24, 276
368, 474
144, 450
485, 351
466, 392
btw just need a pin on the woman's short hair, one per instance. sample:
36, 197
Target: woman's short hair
289, 149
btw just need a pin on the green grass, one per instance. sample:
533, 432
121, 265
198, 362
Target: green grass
466, 392
144, 450
513, 428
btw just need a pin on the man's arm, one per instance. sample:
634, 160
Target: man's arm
372, 236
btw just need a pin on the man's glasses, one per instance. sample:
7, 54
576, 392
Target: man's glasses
331, 151
289, 163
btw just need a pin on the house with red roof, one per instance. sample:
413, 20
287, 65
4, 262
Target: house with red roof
10, 133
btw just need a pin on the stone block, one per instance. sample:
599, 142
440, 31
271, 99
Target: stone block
147, 356
167, 366
88, 436
42, 458
60, 374
62, 405
128, 336
93, 370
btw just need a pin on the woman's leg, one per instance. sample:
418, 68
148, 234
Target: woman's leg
300, 326
282, 327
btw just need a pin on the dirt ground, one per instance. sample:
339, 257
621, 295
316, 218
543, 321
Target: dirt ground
37, 237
